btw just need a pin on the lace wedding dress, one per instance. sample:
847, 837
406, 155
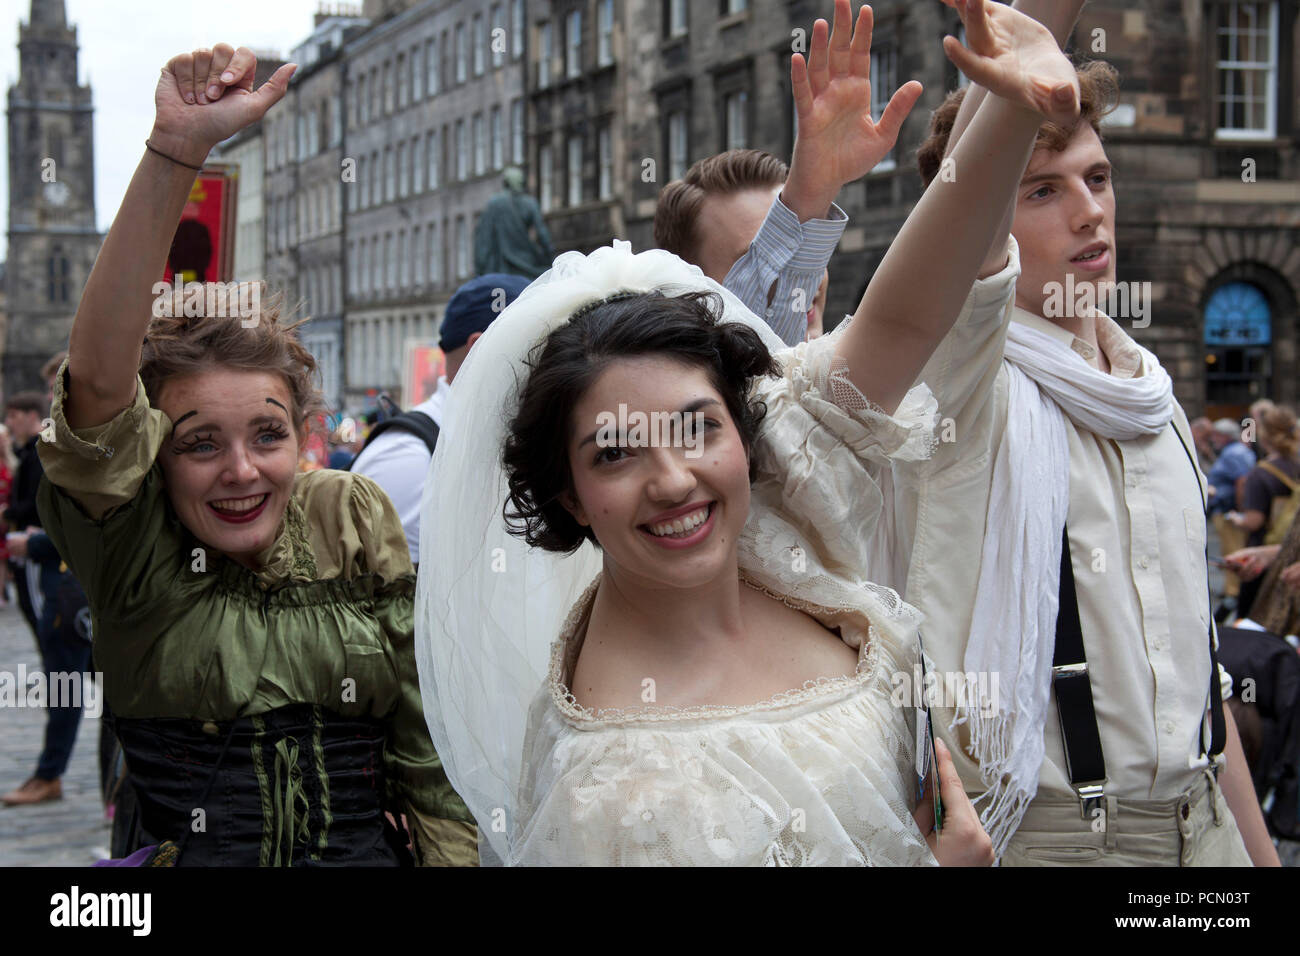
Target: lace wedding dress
823, 774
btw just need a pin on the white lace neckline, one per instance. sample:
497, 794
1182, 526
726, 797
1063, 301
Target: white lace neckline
826, 689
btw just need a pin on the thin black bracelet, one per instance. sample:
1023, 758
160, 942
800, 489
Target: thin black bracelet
149, 146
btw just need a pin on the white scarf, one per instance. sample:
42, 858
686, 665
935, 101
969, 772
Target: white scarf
1013, 630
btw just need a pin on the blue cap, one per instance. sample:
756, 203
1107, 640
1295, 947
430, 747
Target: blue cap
476, 304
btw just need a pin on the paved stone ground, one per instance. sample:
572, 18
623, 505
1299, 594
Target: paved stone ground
68, 832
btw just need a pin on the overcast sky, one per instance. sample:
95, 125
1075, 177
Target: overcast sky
124, 43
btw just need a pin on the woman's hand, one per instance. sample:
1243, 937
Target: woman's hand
1016, 58
962, 842
1291, 576
207, 96
1250, 563
201, 98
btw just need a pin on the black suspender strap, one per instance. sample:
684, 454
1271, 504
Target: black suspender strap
1218, 729
1073, 689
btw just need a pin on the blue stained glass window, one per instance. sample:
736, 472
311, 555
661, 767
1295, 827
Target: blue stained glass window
1236, 315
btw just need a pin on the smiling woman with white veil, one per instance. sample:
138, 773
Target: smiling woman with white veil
489, 610
720, 690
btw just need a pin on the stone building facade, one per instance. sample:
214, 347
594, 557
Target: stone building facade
319, 172
434, 110
52, 236
1205, 143
404, 113
1207, 149
243, 152
682, 81
579, 96
303, 187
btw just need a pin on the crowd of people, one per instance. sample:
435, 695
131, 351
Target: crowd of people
48, 595
491, 630
1253, 469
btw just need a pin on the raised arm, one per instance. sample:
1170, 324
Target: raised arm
837, 142
201, 99
1059, 16
918, 290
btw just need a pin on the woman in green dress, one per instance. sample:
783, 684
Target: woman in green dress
253, 624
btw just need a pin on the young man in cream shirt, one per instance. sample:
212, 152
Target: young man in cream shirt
1067, 421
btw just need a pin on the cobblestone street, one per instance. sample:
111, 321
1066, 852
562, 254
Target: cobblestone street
68, 832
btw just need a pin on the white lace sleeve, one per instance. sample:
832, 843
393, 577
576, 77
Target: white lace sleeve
815, 388
818, 523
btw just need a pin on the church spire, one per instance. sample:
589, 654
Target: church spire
49, 13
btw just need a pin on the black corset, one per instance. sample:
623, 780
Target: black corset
298, 786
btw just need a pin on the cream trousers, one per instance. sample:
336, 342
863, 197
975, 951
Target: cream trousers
1196, 828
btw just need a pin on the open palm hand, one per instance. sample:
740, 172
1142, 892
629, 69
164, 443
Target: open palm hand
1015, 57
838, 138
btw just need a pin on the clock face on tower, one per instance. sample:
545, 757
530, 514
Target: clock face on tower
57, 194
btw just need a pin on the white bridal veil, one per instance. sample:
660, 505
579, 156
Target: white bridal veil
488, 607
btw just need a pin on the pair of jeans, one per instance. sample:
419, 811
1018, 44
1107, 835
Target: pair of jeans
18, 569
63, 654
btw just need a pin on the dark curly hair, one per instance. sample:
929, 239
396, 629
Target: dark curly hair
685, 327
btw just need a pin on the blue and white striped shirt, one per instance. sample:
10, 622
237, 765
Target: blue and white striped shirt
779, 275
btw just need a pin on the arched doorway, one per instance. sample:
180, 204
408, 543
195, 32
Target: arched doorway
1238, 323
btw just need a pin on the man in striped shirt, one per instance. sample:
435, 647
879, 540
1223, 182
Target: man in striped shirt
727, 217
766, 231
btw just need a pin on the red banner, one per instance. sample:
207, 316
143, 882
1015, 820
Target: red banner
204, 244
424, 365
